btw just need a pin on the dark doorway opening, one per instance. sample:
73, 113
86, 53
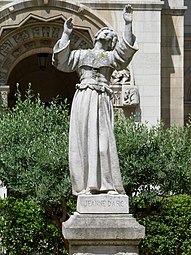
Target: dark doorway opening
45, 80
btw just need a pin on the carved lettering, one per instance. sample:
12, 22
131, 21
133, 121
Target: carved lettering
103, 203
18, 52
2, 77
36, 31
45, 42
45, 31
7, 63
5, 47
21, 37
56, 31
30, 45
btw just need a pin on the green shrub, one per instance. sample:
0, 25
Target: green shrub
154, 159
155, 162
168, 231
34, 150
24, 229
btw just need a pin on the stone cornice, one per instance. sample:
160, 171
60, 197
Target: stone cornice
178, 11
115, 5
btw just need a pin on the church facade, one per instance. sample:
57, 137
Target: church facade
156, 86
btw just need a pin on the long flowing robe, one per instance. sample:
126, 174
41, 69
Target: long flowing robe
93, 159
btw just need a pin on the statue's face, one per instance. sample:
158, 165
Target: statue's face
106, 38
106, 35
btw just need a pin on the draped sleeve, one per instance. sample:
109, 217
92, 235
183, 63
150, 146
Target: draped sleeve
123, 53
64, 59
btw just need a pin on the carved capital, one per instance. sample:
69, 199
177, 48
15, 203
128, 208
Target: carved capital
4, 90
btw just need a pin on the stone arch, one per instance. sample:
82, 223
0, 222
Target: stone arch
34, 26
34, 37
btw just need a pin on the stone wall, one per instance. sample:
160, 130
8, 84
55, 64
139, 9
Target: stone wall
172, 63
187, 60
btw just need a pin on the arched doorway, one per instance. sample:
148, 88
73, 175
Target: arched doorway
33, 29
46, 81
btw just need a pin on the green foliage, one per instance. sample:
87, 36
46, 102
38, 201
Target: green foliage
155, 163
153, 158
34, 150
24, 229
168, 231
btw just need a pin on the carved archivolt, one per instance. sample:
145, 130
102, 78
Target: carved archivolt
34, 26
32, 38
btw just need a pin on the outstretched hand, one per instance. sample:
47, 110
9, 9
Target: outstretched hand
68, 26
128, 14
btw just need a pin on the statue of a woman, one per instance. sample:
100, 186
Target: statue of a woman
93, 159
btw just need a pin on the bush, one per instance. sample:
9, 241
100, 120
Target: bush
153, 158
168, 231
155, 162
34, 150
24, 229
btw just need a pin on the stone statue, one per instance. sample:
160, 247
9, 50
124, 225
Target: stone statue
93, 159
121, 77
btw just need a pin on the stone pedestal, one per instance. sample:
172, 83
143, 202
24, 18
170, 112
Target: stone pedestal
92, 232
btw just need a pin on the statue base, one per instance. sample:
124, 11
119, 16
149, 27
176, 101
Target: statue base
103, 203
94, 233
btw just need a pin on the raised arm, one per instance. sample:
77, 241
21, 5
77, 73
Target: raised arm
63, 58
127, 46
128, 18
68, 27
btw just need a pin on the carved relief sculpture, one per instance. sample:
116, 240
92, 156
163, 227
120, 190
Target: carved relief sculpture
121, 77
93, 159
125, 94
131, 96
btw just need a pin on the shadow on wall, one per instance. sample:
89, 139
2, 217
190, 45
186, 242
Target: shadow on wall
187, 93
169, 47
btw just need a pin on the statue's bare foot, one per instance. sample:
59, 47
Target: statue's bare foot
112, 192
92, 192
88, 193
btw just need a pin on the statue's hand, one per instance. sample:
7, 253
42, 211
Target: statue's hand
128, 14
68, 26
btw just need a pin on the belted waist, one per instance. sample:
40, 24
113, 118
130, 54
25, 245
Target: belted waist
98, 87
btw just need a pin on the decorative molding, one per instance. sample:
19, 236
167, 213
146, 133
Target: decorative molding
130, 96
115, 5
11, 8
121, 78
174, 11
59, 6
125, 94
